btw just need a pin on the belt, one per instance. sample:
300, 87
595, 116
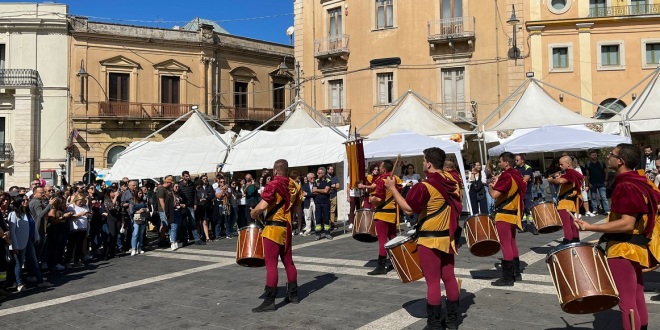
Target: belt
510, 212
636, 239
276, 223
385, 211
442, 233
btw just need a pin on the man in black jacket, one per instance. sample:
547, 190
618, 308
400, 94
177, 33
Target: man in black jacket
187, 191
309, 208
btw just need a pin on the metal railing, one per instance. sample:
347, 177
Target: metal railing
458, 27
6, 152
338, 116
457, 111
630, 10
331, 45
19, 77
139, 110
249, 114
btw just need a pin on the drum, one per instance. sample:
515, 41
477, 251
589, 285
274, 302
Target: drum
546, 218
403, 254
364, 228
582, 278
249, 247
481, 235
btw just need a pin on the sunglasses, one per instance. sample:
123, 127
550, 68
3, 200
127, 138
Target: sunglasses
611, 154
49, 190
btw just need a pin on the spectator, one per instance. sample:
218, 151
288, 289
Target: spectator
409, 179
334, 185
538, 189
585, 188
527, 173
39, 208
242, 220
353, 198
123, 238
187, 195
78, 224
477, 191
218, 214
322, 202
226, 219
251, 195
203, 198
111, 215
138, 210
648, 160
24, 235
597, 177
235, 195
309, 208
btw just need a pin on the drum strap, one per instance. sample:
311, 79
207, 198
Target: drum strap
565, 195
381, 209
510, 212
636, 239
421, 221
274, 210
276, 223
506, 202
442, 233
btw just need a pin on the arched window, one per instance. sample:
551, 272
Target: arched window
113, 154
613, 104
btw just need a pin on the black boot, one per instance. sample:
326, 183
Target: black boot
292, 292
575, 240
564, 242
434, 320
269, 301
452, 315
380, 269
644, 327
507, 274
517, 276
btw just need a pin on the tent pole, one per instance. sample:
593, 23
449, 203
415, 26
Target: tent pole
214, 121
391, 106
156, 132
215, 133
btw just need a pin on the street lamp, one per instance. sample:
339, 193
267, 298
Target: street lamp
514, 52
82, 74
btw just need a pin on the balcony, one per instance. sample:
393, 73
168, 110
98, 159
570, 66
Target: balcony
6, 152
249, 114
631, 10
19, 78
338, 116
330, 47
457, 112
449, 30
132, 110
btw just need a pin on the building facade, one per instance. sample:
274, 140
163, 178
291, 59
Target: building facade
136, 80
33, 92
360, 56
595, 49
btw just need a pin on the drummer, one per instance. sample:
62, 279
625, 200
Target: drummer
569, 197
280, 197
508, 190
627, 230
385, 214
438, 203
370, 184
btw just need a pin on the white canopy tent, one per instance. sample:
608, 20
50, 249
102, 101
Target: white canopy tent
195, 147
557, 138
299, 118
492, 137
412, 115
408, 144
641, 115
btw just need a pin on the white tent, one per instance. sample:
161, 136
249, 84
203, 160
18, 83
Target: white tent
412, 115
299, 118
642, 115
557, 138
300, 147
535, 108
195, 147
492, 137
408, 144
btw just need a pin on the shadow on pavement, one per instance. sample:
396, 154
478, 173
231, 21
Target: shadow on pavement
609, 319
308, 288
417, 308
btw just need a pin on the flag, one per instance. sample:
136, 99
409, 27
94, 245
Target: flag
75, 133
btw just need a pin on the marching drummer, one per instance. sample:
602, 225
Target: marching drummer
569, 197
508, 190
370, 184
627, 231
279, 198
385, 214
438, 203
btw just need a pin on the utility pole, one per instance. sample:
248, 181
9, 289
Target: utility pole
297, 80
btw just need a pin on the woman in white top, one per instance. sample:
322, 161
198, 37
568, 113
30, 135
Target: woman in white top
78, 226
477, 189
585, 188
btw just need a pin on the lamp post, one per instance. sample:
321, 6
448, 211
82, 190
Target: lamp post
84, 87
514, 52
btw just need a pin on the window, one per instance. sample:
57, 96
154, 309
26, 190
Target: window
113, 154
609, 108
560, 57
638, 7
336, 94
384, 14
278, 96
385, 88
118, 87
335, 28
169, 89
597, 8
610, 55
2, 56
559, 6
451, 9
652, 54
453, 91
240, 94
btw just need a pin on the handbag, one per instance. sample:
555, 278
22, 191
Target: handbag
139, 218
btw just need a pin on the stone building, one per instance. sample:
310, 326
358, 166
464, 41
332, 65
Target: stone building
138, 79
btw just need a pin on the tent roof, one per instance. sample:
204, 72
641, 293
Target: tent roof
194, 147
536, 108
557, 138
643, 113
412, 115
299, 119
300, 147
406, 144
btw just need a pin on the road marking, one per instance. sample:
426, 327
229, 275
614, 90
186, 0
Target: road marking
397, 320
98, 292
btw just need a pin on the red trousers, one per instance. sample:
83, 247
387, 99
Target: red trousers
385, 231
628, 278
570, 229
437, 266
507, 233
273, 250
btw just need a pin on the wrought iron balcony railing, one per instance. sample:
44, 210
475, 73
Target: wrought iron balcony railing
451, 28
6, 152
338, 116
457, 111
331, 46
249, 114
630, 10
133, 110
19, 77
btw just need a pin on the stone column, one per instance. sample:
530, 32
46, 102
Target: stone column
26, 137
536, 49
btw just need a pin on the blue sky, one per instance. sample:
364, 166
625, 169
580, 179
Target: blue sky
168, 13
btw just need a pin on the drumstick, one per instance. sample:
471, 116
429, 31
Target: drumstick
395, 164
632, 319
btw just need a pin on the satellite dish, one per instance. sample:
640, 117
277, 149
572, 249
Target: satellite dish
289, 31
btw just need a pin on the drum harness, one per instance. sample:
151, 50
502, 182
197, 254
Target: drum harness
637, 239
499, 208
435, 234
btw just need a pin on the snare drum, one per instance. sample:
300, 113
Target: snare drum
546, 218
481, 236
403, 254
364, 228
582, 278
249, 247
